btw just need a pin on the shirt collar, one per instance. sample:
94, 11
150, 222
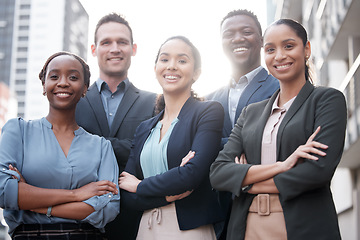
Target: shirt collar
247, 77
48, 124
286, 106
101, 83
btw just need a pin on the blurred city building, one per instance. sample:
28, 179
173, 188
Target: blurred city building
8, 104
334, 32
32, 30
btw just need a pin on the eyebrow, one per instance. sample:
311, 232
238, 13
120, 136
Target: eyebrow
179, 55
74, 70
235, 28
284, 41
69, 70
289, 39
113, 39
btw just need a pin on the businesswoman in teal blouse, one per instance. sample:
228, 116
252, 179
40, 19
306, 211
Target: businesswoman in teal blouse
56, 180
176, 197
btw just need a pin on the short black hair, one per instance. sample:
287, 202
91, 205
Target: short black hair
243, 12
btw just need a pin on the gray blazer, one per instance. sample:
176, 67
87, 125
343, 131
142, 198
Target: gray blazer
305, 193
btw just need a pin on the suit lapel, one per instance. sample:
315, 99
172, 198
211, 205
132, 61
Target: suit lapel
128, 100
94, 98
224, 100
298, 102
254, 85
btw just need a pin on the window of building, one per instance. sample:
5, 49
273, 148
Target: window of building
21, 104
20, 93
22, 49
20, 70
24, 17
23, 27
20, 82
21, 60
23, 38
25, 6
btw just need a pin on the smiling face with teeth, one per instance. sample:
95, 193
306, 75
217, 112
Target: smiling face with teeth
285, 53
64, 82
241, 41
175, 68
113, 49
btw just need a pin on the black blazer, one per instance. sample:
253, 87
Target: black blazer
198, 129
305, 193
135, 107
260, 88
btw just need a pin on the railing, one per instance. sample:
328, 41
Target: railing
350, 87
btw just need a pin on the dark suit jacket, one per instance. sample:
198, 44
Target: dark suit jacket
135, 107
305, 193
198, 129
260, 88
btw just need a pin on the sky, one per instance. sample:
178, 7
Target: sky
153, 21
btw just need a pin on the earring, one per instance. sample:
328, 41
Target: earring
44, 93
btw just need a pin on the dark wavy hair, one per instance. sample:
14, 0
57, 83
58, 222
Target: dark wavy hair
86, 69
195, 52
160, 101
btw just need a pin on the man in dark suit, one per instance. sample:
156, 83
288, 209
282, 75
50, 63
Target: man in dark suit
113, 107
242, 42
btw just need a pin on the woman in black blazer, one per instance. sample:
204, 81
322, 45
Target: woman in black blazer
167, 172
283, 152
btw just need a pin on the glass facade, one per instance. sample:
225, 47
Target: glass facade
7, 8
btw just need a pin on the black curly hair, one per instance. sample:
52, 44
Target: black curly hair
245, 12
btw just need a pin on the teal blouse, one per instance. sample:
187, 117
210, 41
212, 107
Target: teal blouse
153, 158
